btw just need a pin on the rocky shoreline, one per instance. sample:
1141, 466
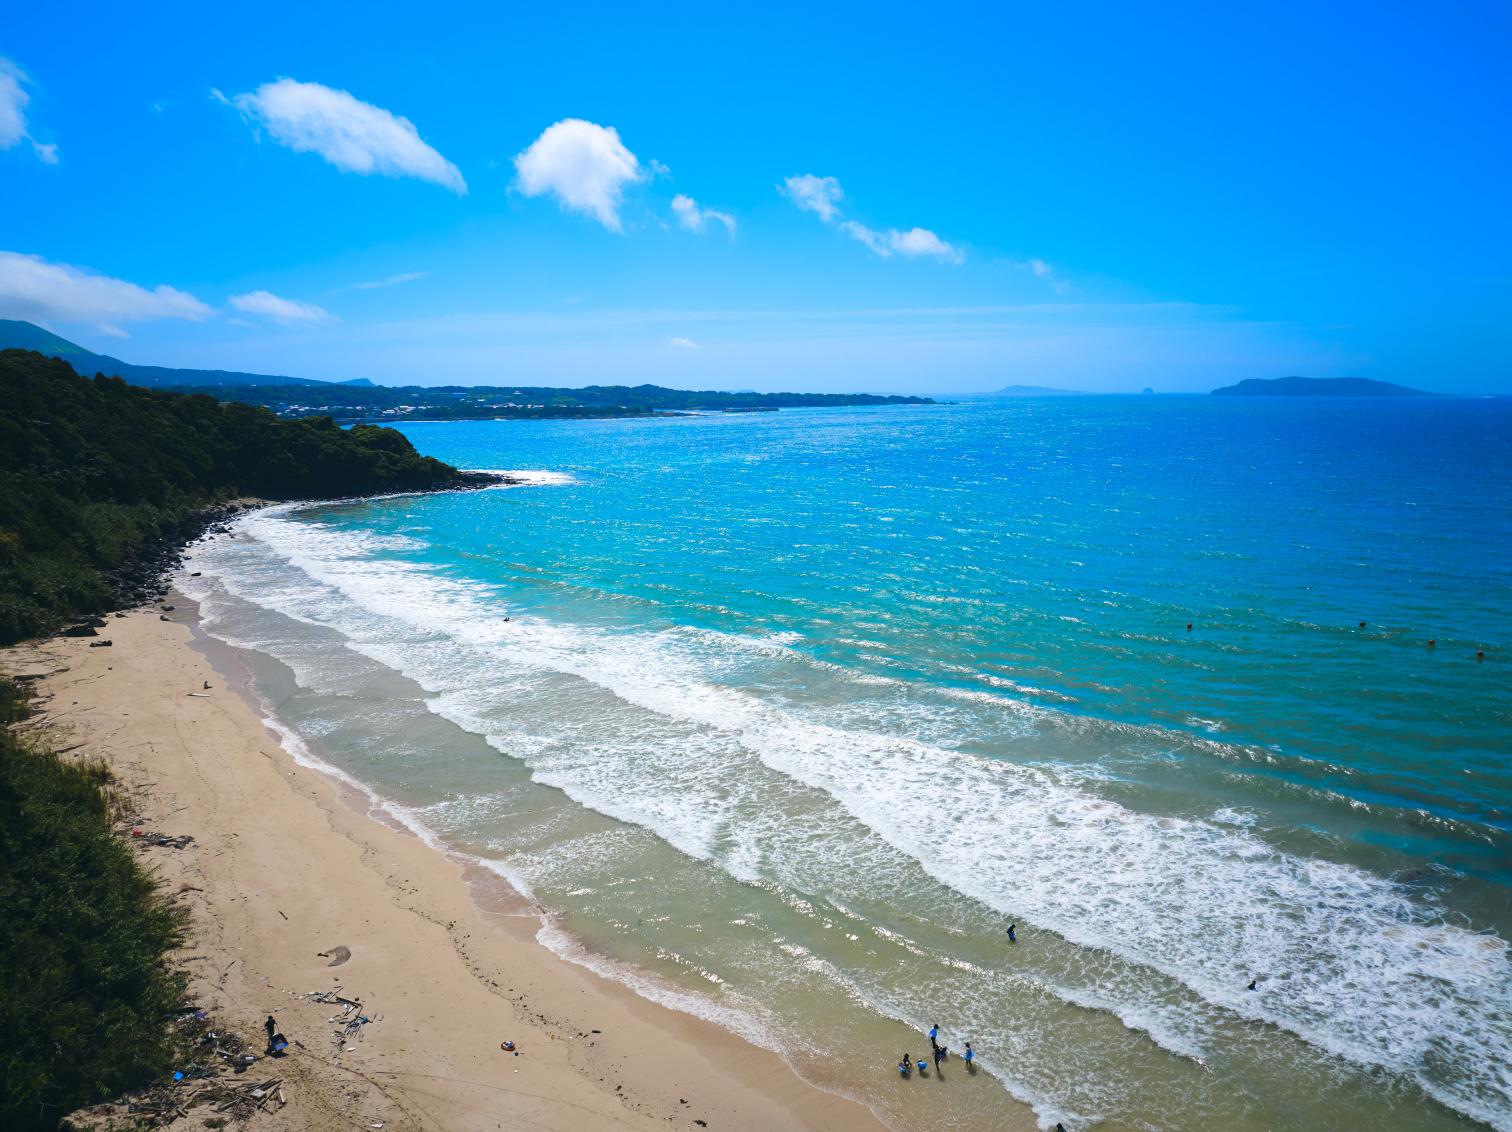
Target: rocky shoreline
144, 578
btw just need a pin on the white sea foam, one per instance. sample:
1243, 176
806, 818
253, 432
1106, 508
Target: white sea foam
1349, 961
530, 477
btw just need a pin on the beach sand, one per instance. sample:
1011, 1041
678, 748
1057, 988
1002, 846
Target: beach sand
286, 863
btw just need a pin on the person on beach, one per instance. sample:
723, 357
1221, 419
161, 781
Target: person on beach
1012, 933
939, 1056
904, 1066
934, 1034
970, 1058
923, 1068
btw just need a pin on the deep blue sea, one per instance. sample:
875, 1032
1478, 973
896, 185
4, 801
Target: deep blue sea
784, 718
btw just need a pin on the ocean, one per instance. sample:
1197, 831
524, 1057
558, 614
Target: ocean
784, 718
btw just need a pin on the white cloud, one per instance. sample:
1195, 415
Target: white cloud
287, 312
34, 289
682, 343
347, 132
696, 219
914, 243
821, 195
1046, 271
390, 281
13, 103
873, 239
584, 165
923, 242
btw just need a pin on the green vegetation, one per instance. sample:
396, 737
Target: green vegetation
93, 473
85, 995
487, 402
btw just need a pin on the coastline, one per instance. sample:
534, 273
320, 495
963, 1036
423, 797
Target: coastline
286, 863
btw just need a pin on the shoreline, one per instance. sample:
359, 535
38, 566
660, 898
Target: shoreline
288, 861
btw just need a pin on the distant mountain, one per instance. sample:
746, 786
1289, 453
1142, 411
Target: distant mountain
1036, 391
1318, 387
18, 335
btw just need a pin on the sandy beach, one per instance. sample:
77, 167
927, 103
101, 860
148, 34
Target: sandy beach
286, 863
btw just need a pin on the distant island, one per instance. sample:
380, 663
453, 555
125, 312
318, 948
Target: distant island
1035, 391
1318, 387
360, 400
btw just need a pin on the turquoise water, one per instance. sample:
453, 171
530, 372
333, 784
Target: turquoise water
783, 718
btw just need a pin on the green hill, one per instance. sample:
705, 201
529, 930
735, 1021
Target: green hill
94, 473
18, 335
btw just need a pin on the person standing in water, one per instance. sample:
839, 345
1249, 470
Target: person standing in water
970, 1058
904, 1066
1012, 933
934, 1035
923, 1068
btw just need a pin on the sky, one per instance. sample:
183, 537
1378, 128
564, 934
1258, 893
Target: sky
837, 197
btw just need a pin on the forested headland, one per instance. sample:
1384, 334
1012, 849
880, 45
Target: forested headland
94, 471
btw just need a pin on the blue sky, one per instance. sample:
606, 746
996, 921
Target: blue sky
872, 197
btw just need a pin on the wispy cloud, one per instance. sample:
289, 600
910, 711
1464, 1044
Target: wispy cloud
384, 281
696, 219
13, 102
34, 289
350, 134
682, 343
822, 196
584, 165
1046, 271
286, 312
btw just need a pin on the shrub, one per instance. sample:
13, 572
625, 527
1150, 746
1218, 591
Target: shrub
85, 995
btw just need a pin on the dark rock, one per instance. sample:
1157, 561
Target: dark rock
100, 644
164, 617
80, 631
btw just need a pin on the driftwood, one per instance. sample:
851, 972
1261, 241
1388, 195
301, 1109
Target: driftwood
169, 840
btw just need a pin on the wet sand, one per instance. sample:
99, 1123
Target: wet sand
286, 863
